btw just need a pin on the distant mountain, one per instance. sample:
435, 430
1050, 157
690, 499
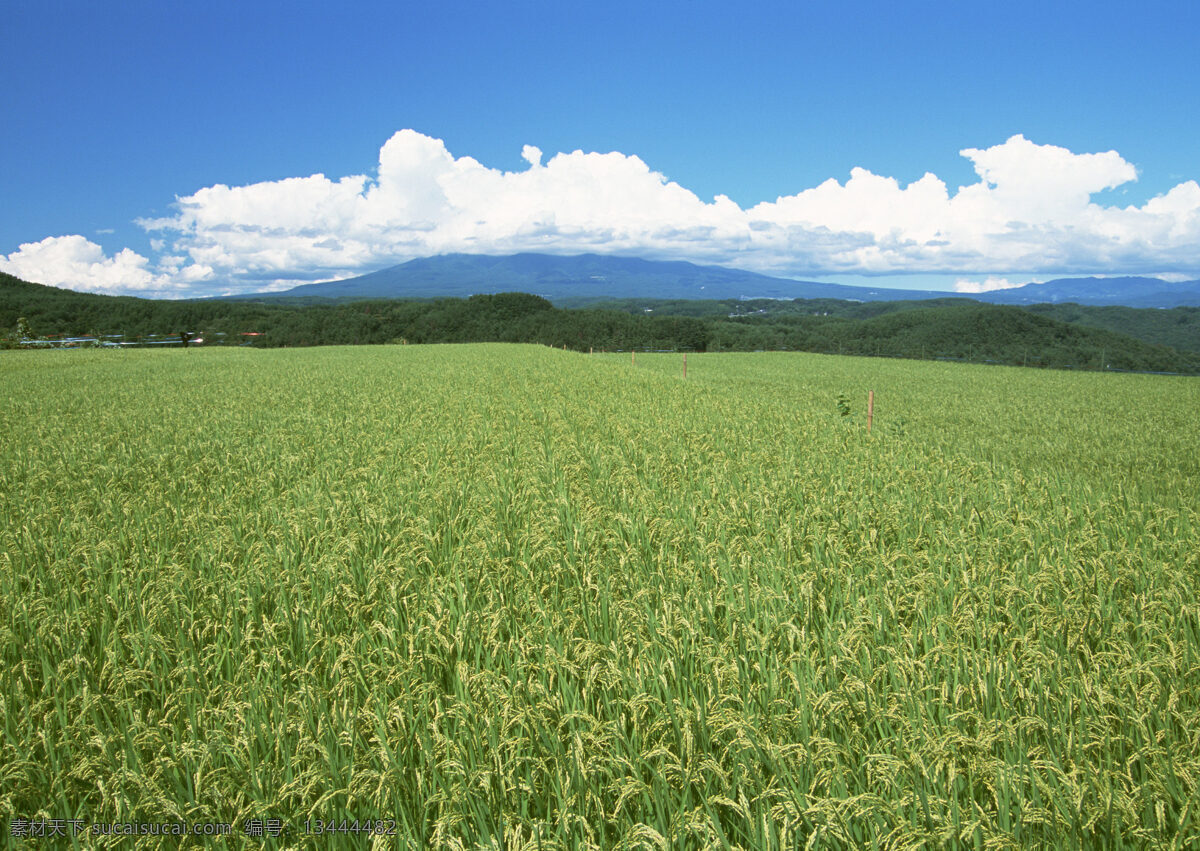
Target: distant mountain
1127, 292
583, 276
596, 276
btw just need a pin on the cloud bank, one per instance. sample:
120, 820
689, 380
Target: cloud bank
992, 283
77, 263
1030, 212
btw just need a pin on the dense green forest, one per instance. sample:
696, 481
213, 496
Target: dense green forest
1177, 327
1061, 336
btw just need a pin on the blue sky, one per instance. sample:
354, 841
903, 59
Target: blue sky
116, 110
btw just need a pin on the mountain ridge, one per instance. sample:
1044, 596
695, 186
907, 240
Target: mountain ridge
574, 276
1102, 292
561, 277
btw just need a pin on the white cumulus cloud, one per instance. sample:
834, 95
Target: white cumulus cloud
1030, 211
76, 263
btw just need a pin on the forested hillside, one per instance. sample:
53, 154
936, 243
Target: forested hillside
1178, 327
953, 329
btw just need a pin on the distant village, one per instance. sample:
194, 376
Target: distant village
119, 341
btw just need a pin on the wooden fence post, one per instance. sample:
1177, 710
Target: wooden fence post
685, 365
870, 409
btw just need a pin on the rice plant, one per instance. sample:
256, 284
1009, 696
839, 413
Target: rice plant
514, 597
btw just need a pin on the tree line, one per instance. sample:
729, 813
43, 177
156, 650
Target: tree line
948, 329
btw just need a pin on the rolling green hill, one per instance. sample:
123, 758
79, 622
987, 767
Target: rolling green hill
1178, 327
953, 329
956, 331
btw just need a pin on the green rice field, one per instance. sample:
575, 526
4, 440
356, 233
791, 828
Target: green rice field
503, 596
